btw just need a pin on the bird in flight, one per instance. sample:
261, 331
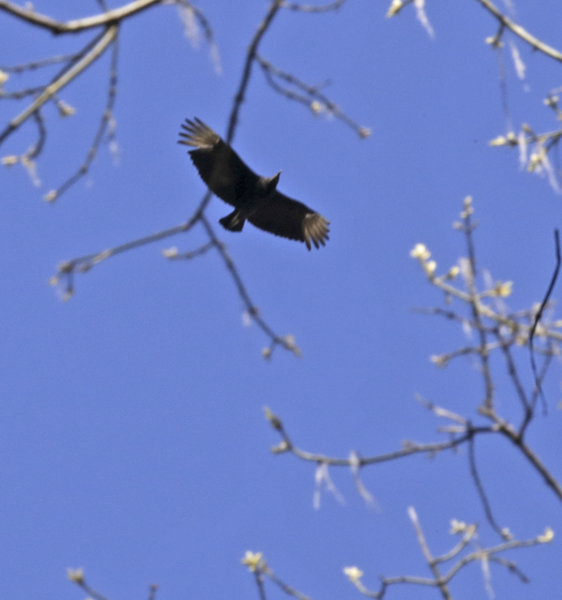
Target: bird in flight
254, 198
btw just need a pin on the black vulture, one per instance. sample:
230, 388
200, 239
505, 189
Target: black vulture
254, 198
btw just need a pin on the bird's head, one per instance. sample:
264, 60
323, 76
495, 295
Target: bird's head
271, 182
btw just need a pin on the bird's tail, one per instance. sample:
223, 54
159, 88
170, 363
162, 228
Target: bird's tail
234, 221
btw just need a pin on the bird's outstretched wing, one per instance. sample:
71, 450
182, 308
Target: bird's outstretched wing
223, 171
291, 219
228, 176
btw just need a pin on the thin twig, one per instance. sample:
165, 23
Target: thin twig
37, 64
517, 439
106, 117
542, 373
251, 309
519, 333
481, 491
153, 588
91, 591
510, 566
448, 314
250, 57
475, 306
173, 254
37, 148
409, 448
539, 315
485, 553
19, 94
259, 582
512, 369
486, 311
432, 563
290, 591
441, 581
313, 99
503, 80
468, 534
86, 262
313, 9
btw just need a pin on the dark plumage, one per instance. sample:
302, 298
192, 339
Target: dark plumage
254, 198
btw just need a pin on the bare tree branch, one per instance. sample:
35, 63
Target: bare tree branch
312, 97
247, 71
468, 228
85, 263
104, 41
409, 448
105, 18
313, 9
540, 312
106, 118
481, 491
469, 533
521, 32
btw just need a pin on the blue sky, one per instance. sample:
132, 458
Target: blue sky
132, 437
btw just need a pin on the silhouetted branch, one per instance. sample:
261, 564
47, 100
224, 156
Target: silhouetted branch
505, 345
516, 438
512, 322
37, 64
153, 588
432, 563
82, 264
173, 254
482, 493
509, 330
519, 334
77, 577
549, 355
540, 312
521, 32
311, 97
103, 42
313, 9
37, 148
286, 342
76, 63
409, 448
510, 566
19, 94
247, 71
542, 144
106, 119
440, 581
448, 314
468, 228
106, 18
